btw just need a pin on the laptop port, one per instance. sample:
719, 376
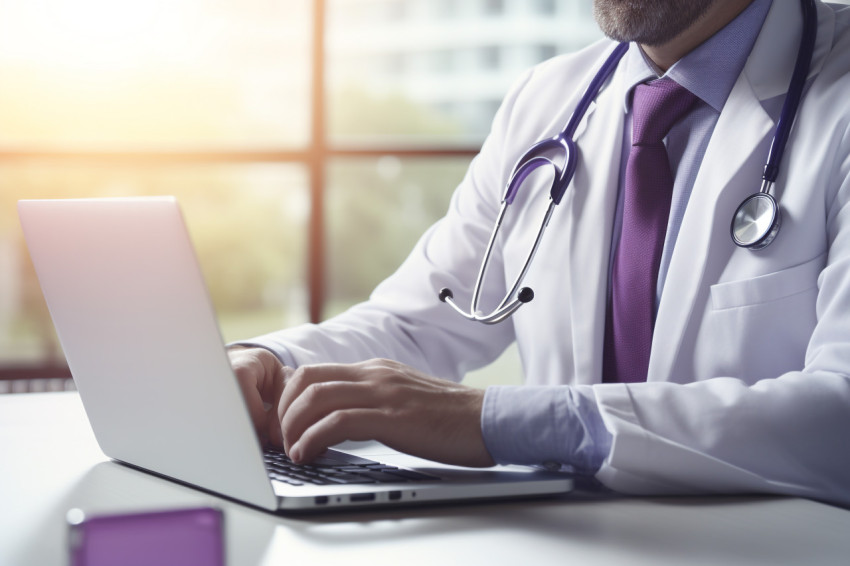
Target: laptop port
361, 497
394, 495
321, 500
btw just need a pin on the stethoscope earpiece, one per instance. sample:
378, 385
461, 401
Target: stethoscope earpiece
525, 295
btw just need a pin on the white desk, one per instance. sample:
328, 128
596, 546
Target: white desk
49, 463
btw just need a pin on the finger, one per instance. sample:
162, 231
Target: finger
247, 381
274, 433
258, 373
321, 399
305, 376
339, 426
271, 378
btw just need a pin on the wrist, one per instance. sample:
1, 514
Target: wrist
479, 453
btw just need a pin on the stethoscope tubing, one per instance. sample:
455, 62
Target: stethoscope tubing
758, 218
527, 164
755, 223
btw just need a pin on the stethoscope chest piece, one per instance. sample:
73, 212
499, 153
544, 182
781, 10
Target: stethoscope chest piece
756, 222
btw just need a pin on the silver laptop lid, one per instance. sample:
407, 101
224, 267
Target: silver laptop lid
130, 306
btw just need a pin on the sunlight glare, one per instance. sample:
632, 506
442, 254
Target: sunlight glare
92, 34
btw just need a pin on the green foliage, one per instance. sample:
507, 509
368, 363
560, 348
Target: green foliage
388, 118
378, 208
375, 217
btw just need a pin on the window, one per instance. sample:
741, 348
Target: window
395, 63
546, 51
493, 7
407, 195
144, 75
444, 9
546, 7
293, 139
442, 62
491, 57
397, 10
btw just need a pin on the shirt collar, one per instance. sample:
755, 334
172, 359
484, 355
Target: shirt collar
710, 70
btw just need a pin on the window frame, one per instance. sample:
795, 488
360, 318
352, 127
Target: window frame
315, 157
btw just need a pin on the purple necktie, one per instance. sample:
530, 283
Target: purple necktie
648, 189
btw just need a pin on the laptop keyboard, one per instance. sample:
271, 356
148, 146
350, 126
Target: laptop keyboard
337, 468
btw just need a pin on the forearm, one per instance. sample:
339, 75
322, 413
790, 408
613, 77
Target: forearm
372, 330
782, 435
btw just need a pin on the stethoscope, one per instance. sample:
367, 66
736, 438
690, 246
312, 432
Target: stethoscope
754, 225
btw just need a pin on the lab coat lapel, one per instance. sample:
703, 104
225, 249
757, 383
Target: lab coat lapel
591, 211
730, 171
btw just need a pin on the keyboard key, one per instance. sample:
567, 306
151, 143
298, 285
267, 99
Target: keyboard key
411, 475
337, 468
354, 460
352, 469
329, 463
299, 476
383, 477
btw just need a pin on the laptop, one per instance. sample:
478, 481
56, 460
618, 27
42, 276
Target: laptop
134, 318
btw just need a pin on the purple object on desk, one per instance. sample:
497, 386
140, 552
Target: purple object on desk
184, 537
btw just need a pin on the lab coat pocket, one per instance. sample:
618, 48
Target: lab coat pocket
767, 288
760, 327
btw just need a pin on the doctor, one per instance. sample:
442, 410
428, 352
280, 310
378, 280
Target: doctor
738, 379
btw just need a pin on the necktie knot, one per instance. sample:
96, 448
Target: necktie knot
656, 107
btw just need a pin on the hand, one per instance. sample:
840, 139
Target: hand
386, 401
261, 377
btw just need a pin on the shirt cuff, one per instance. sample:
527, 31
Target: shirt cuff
558, 427
280, 352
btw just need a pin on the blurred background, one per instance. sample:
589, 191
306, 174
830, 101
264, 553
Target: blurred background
310, 143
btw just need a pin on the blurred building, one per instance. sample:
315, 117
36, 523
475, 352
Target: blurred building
457, 57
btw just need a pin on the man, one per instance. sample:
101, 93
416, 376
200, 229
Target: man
743, 384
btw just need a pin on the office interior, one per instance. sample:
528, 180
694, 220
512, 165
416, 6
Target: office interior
309, 143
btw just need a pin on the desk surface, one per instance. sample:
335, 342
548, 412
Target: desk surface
50, 462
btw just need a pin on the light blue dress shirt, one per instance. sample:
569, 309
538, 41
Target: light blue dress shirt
560, 427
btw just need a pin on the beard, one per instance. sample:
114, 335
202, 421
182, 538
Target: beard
648, 22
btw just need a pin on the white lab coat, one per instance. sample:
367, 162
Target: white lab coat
749, 377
